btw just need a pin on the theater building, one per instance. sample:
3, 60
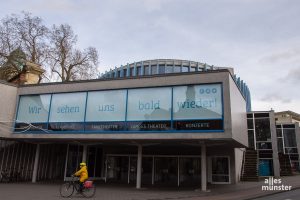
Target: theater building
155, 122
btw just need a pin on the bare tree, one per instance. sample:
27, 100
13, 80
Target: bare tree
55, 50
9, 40
67, 62
26, 32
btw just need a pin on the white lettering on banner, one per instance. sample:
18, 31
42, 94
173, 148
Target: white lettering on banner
108, 108
148, 126
106, 126
152, 105
68, 109
197, 125
201, 103
34, 110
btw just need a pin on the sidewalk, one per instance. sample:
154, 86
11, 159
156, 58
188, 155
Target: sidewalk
246, 190
242, 190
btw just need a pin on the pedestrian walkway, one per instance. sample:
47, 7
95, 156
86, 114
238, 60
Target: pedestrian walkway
242, 190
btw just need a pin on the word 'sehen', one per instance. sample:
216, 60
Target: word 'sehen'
68, 109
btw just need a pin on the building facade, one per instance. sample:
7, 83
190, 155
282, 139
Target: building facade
158, 122
273, 146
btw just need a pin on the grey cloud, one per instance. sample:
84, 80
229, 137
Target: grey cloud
291, 54
293, 75
275, 97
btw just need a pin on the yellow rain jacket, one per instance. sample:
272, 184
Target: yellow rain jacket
82, 173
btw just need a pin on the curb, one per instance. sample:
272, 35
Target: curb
276, 192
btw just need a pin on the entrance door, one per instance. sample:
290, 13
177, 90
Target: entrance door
133, 169
220, 170
73, 160
166, 171
265, 167
147, 165
117, 168
94, 161
190, 171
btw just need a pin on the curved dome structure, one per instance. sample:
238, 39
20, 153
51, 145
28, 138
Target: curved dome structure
168, 66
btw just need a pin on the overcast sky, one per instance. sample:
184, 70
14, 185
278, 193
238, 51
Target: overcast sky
260, 39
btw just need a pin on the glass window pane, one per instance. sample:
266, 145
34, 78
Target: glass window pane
149, 104
280, 145
261, 115
161, 69
154, 69
249, 115
139, 71
106, 106
220, 169
177, 69
251, 141
250, 123
169, 69
291, 150
34, 108
289, 138
125, 72
146, 70
197, 102
262, 129
193, 69
264, 145
132, 71
69, 107
185, 68
279, 132
288, 125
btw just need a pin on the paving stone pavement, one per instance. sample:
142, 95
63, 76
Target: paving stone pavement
50, 191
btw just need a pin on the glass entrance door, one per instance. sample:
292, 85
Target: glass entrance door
133, 169
117, 169
190, 171
220, 169
265, 167
166, 171
94, 161
147, 165
73, 159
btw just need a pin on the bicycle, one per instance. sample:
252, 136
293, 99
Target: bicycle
67, 189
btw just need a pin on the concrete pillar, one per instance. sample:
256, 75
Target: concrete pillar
84, 153
297, 132
36, 163
139, 167
276, 164
203, 168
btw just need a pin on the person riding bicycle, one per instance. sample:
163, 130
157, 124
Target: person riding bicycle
83, 175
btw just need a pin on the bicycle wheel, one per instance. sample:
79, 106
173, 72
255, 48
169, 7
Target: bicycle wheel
66, 189
89, 192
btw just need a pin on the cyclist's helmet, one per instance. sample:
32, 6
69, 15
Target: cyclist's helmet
82, 164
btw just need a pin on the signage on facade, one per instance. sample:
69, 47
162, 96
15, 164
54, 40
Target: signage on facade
178, 108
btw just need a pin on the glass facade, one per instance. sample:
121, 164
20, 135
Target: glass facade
259, 138
287, 144
163, 66
193, 107
34, 108
259, 131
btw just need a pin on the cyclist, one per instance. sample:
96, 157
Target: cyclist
83, 175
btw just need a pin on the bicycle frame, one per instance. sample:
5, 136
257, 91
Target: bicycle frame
67, 189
